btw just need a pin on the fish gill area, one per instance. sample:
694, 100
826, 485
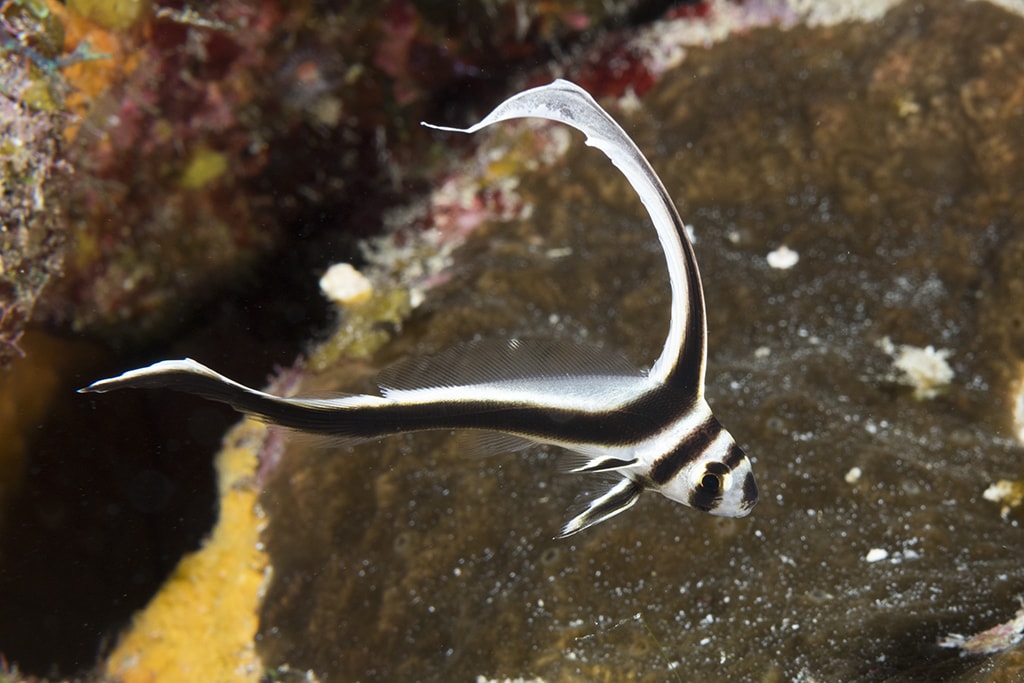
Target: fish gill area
886, 155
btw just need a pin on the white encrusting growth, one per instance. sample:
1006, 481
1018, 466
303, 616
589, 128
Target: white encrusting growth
345, 285
782, 258
831, 12
924, 369
1009, 494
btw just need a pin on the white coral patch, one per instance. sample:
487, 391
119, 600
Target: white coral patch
924, 369
832, 12
1015, 6
345, 285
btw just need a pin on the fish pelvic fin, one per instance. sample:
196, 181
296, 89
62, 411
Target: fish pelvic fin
621, 495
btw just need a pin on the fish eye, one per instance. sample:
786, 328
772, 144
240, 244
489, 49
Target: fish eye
715, 479
711, 482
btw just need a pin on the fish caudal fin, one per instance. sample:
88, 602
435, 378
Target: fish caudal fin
619, 497
335, 417
184, 375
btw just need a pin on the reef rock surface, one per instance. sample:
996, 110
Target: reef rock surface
887, 156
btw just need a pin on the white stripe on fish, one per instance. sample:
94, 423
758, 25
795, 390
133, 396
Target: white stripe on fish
640, 430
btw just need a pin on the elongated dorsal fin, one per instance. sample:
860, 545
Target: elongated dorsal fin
682, 358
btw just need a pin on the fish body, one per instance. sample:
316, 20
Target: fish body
638, 430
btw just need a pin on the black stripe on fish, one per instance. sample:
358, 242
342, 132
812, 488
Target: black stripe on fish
750, 492
684, 369
688, 451
379, 418
734, 456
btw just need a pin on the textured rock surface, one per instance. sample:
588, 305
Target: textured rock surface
886, 155
146, 165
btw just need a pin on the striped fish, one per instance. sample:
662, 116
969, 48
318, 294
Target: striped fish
638, 430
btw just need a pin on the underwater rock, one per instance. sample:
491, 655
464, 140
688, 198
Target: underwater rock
31, 225
197, 135
887, 155
191, 139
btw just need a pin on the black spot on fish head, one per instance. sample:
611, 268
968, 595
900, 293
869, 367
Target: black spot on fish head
749, 493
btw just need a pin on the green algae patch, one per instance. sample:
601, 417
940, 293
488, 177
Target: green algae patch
116, 15
38, 25
204, 167
42, 96
364, 328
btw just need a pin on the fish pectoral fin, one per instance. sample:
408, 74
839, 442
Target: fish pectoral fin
576, 462
605, 504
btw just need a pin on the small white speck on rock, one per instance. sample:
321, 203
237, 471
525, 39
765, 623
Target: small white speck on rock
783, 258
876, 555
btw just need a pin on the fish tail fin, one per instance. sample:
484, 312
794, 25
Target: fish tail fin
320, 416
184, 375
605, 503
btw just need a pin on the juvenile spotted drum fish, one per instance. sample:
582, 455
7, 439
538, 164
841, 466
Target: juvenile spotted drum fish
638, 430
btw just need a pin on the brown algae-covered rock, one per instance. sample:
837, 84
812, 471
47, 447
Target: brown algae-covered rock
886, 155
